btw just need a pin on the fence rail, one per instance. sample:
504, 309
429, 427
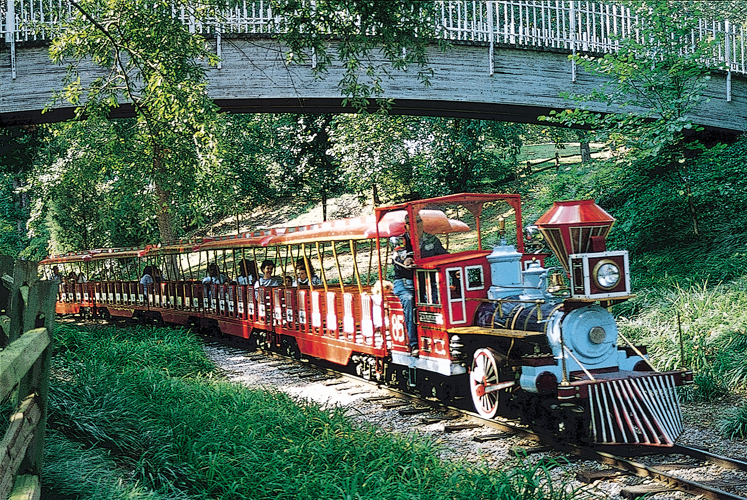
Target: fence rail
28, 306
574, 25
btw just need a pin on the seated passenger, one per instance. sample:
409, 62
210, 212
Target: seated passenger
214, 276
267, 278
303, 277
247, 272
147, 277
56, 274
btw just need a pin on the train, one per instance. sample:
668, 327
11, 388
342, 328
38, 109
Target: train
513, 320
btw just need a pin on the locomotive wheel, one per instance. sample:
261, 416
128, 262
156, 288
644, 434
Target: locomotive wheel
484, 376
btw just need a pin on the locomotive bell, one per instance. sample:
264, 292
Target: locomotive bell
534, 278
575, 227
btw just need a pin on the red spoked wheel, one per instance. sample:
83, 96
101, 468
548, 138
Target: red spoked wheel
485, 382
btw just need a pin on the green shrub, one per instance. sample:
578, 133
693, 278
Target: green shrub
706, 387
734, 424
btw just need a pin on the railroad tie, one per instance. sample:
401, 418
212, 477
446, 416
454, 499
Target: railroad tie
490, 437
413, 411
394, 404
633, 492
377, 398
460, 427
589, 476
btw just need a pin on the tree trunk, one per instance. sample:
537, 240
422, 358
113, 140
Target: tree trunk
585, 152
376, 199
163, 200
20, 206
324, 205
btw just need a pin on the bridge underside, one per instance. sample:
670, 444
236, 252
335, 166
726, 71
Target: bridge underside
448, 109
254, 78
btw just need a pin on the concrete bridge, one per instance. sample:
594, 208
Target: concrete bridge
495, 70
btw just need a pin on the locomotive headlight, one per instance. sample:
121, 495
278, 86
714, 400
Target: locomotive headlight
606, 274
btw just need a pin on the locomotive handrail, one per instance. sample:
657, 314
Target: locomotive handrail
587, 372
638, 352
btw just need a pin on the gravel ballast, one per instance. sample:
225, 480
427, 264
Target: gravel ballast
356, 397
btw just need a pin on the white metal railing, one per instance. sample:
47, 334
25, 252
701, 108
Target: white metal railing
574, 25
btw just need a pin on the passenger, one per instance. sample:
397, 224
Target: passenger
303, 277
247, 272
288, 279
214, 276
430, 245
55, 275
72, 278
147, 277
267, 278
404, 289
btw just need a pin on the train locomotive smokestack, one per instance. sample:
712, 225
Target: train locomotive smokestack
575, 227
577, 231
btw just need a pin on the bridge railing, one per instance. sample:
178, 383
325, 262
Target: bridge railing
574, 25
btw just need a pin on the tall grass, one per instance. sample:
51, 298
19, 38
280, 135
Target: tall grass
712, 320
136, 413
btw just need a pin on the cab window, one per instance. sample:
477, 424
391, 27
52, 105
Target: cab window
428, 288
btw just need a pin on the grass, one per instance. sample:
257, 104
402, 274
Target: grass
733, 425
138, 413
712, 321
701, 326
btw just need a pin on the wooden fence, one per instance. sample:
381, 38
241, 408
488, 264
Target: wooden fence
26, 328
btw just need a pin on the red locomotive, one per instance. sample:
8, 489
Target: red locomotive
493, 323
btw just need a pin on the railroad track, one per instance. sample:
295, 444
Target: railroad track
669, 467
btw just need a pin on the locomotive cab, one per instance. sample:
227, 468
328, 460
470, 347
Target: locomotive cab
450, 238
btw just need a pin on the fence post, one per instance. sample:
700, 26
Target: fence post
491, 37
574, 41
10, 34
6, 283
30, 305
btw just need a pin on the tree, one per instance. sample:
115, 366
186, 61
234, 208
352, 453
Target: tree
655, 80
153, 63
457, 155
364, 30
18, 145
305, 164
375, 154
